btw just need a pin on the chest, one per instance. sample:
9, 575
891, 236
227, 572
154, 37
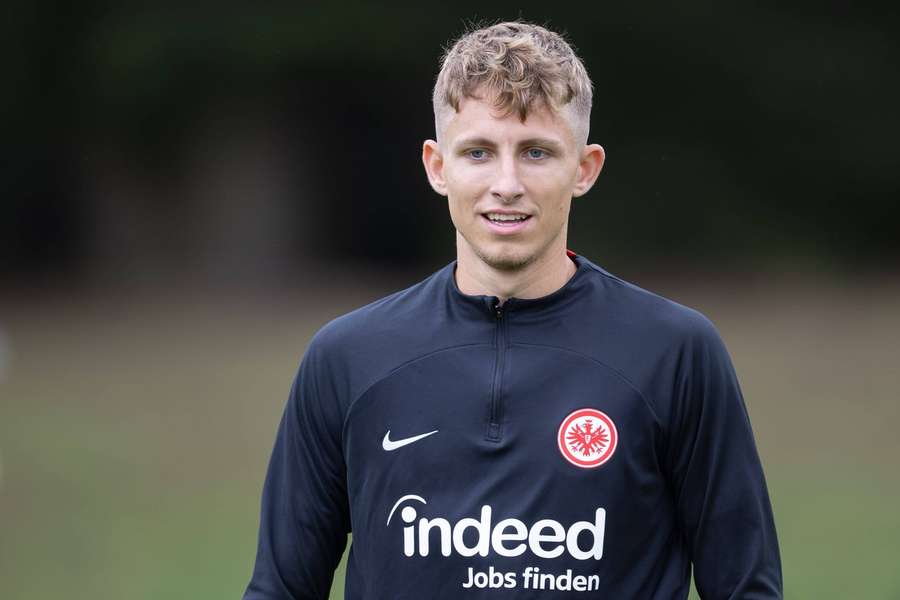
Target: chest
501, 419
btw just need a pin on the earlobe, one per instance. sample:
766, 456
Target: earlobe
433, 161
589, 169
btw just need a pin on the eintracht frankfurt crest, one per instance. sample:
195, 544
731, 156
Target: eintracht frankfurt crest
587, 438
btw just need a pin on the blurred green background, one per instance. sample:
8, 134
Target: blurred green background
189, 192
135, 429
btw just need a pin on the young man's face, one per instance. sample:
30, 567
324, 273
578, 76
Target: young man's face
509, 184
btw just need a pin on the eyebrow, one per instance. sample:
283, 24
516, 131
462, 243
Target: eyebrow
480, 141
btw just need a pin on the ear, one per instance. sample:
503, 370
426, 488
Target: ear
434, 166
592, 158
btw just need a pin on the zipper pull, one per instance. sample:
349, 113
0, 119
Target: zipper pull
498, 310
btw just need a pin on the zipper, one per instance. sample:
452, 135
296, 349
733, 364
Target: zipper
496, 412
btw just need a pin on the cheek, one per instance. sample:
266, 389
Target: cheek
555, 193
551, 179
465, 185
460, 209
561, 211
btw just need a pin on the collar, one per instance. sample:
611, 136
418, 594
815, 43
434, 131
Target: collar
551, 302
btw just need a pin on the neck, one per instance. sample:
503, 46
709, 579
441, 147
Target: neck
539, 278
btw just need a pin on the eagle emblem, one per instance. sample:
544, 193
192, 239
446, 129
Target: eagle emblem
587, 438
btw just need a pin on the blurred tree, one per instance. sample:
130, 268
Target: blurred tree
739, 133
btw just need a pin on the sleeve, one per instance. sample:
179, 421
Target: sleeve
305, 515
720, 490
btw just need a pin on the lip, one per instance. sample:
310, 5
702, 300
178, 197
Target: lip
508, 228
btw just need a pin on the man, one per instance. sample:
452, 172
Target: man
521, 424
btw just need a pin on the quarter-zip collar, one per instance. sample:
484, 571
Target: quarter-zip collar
526, 306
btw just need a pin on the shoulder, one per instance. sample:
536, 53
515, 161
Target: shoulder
647, 314
390, 314
661, 346
360, 345
668, 344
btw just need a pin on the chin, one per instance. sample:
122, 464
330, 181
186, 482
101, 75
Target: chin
505, 261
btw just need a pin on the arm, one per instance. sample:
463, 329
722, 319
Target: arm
720, 490
305, 518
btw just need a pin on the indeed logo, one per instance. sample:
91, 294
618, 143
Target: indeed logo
545, 538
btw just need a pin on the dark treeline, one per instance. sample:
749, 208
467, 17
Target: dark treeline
740, 133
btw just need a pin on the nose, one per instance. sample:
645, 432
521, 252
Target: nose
507, 187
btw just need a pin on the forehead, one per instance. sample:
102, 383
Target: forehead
477, 117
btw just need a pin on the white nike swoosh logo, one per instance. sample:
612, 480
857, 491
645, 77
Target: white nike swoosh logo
389, 445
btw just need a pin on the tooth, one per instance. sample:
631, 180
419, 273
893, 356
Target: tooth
502, 217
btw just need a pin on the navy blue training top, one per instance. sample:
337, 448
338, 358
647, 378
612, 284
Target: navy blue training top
592, 443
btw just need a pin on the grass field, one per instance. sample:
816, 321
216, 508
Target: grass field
135, 429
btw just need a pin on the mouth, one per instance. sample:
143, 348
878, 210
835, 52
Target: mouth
506, 223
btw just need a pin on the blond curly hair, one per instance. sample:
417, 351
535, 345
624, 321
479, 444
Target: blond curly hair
518, 66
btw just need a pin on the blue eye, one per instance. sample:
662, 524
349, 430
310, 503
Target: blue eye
477, 154
536, 153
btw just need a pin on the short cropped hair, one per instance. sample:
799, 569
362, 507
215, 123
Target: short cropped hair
518, 66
